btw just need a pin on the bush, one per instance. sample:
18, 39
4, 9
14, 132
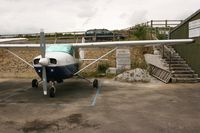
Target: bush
139, 62
140, 31
102, 67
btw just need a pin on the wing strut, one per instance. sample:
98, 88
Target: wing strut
95, 61
20, 58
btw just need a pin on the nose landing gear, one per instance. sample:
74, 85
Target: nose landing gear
51, 89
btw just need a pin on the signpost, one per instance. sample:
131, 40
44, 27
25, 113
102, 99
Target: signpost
194, 28
123, 59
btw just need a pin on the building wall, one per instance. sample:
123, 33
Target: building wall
190, 52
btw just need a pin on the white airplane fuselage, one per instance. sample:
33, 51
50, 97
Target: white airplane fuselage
59, 65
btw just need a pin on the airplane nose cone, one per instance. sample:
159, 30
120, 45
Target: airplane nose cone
44, 61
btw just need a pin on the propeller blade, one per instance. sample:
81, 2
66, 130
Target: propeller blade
44, 78
42, 43
43, 50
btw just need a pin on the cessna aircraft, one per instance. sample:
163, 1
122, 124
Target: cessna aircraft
58, 62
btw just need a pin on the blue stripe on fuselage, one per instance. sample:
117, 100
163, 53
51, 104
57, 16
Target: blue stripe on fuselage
57, 73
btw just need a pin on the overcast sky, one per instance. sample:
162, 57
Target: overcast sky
29, 16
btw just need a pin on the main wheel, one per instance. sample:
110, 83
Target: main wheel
95, 83
52, 92
35, 83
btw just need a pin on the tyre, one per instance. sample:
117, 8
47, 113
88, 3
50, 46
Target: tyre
35, 83
52, 92
95, 83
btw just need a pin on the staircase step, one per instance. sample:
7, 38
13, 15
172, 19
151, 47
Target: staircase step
183, 72
185, 75
171, 48
180, 68
175, 59
173, 56
179, 65
184, 80
176, 62
176, 56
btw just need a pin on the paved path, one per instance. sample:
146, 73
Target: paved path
120, 107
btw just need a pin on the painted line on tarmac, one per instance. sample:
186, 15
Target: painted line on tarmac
95, 97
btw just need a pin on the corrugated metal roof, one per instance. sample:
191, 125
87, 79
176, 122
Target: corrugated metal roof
186, 20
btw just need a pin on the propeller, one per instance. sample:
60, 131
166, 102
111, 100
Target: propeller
43, 61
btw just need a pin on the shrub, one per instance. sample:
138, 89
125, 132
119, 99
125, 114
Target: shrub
102, 67
140, 32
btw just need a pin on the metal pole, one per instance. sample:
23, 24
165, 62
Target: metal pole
165, 23
151, 23
74, 38
170, 59
163, 50
151, 29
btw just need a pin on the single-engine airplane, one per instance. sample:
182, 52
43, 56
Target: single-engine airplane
58, 62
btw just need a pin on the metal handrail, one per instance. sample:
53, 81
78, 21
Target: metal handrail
169, 56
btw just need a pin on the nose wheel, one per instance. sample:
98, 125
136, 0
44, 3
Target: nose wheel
52, 90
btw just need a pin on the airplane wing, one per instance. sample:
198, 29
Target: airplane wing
132, 43
108, 44
19, 45
11, 39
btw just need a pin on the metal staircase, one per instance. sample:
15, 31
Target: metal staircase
178, 70
181, 72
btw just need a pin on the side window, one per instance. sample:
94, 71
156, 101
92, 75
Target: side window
71, 51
